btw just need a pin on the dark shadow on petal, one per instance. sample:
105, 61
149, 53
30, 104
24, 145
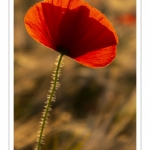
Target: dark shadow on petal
80, 34
75, 32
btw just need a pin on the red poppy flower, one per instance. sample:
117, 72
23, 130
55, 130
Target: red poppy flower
126, 19
74, 28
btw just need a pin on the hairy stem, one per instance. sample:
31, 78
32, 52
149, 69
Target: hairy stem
50, 98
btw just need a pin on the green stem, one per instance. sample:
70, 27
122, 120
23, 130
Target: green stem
46, 111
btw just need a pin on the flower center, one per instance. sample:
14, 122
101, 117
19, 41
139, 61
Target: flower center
62, 50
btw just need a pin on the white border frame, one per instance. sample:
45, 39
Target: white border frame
145, 76
4, 81
138, 76
6, 75
11, 74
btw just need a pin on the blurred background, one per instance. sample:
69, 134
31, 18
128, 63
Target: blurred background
95, 109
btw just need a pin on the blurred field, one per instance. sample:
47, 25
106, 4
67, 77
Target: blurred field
95, 109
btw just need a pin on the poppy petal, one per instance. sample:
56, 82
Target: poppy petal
36, 25
92, 39
75, 28
98, 58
